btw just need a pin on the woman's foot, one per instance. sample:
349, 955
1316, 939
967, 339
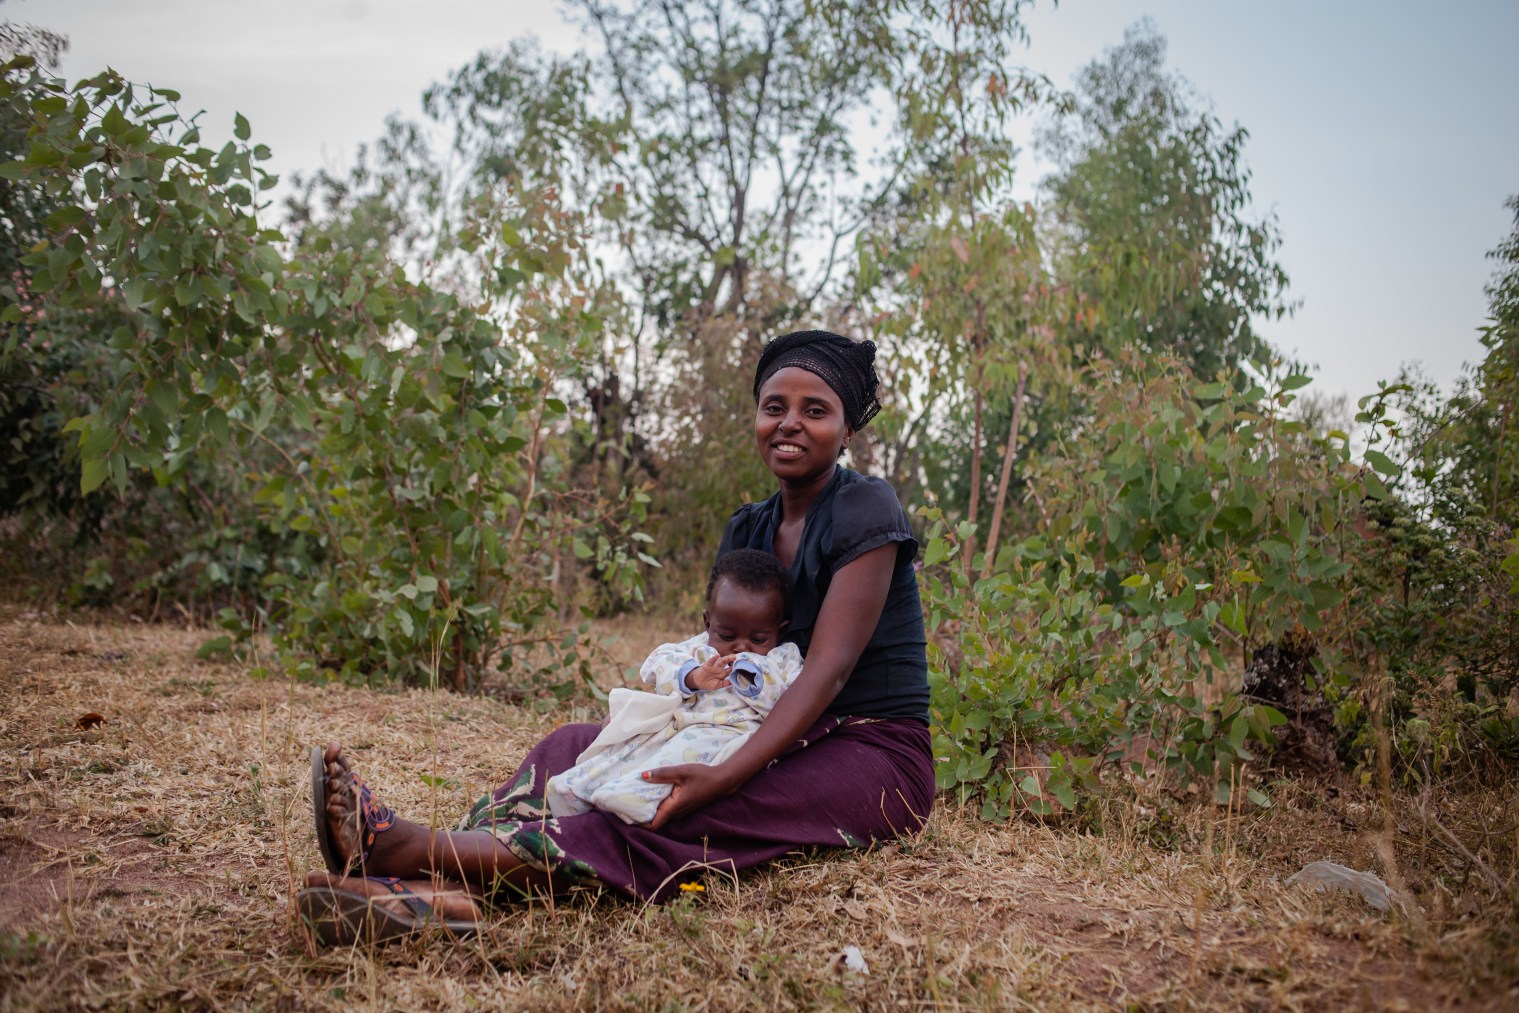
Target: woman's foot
450, 900
341, 911
345, 826
359, 836
356, 824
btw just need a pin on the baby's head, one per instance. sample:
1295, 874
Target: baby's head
746, 602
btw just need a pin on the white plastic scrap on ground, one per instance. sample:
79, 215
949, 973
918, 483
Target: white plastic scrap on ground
854, 960
1329, 876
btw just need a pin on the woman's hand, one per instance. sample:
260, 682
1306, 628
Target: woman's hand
695, 784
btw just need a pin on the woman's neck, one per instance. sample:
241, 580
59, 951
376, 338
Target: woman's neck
796, 500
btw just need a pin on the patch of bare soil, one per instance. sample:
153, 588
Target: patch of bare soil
147, 861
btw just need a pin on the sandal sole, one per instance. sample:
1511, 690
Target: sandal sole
343, 918
319, 812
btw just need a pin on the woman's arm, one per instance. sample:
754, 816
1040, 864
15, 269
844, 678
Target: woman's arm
845, 623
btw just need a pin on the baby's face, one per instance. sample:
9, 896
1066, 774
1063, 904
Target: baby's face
738, 619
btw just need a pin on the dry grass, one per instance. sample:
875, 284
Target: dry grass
148, 863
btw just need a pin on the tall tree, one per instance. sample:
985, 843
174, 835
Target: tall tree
951, 273
34, 465
1498, 376
1152, 207
711, 150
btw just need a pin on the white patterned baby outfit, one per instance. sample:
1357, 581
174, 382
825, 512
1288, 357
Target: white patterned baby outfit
672, 725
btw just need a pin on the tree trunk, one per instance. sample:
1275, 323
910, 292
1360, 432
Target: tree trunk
460, 676
1008, 454
975, 485
1498, 458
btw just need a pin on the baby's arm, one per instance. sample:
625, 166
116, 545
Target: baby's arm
761, 678
711, 674
667, 664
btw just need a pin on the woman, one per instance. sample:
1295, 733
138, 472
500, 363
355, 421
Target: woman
842, 760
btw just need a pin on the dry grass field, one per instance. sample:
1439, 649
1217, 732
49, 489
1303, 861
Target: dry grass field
147, 862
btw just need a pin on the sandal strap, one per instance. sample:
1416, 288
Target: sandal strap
420, 909
377, 818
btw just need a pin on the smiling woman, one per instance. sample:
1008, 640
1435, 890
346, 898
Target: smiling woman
842, 760
800, 426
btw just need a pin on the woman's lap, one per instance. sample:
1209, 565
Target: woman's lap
856, 781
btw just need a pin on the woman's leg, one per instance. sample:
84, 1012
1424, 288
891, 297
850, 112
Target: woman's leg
852, 784
452, 902
412, 851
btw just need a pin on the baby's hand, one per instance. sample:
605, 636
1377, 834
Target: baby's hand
712, 674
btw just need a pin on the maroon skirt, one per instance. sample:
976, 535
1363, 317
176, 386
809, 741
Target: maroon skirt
848, 783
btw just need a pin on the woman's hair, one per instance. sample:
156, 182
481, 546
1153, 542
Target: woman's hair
751, 570
846, 366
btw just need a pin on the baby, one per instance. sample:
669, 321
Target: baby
710, 693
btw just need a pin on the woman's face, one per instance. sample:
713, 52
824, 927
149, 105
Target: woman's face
799, 426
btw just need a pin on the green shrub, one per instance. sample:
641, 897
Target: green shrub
412, 439
1185, 523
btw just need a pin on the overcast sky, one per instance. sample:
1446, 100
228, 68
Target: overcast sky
1384, 133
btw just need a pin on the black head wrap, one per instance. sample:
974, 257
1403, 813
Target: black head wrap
846, 366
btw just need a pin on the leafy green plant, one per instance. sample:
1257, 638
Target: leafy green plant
1189, 523
1052, 686
415, 437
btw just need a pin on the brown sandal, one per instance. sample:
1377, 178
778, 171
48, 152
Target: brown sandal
342, 917
376, 816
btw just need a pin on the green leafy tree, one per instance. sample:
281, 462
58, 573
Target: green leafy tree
1183, 525
33, 460
709, 151
1434, 601
1152, 215
186, 545
950, 271
411, 433
1498, 382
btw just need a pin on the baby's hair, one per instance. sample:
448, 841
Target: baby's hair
751, 570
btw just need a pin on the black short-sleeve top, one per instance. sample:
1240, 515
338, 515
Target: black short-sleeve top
853, 515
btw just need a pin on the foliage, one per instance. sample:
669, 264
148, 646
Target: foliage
1151, 202
1483, 440
416, 436
24, 39
185, 546
1433, 623
32, 456
1145, 240
1054, 685
714, 153
1434, 598
709, 151
1183, 524
950, 273
412, 436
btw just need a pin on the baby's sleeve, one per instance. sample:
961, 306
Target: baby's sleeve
760, 679
665, 668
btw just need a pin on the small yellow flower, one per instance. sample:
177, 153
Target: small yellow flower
692, 887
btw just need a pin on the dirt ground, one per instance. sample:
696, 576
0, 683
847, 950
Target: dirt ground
147, 861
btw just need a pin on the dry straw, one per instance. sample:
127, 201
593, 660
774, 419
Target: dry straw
148, 862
